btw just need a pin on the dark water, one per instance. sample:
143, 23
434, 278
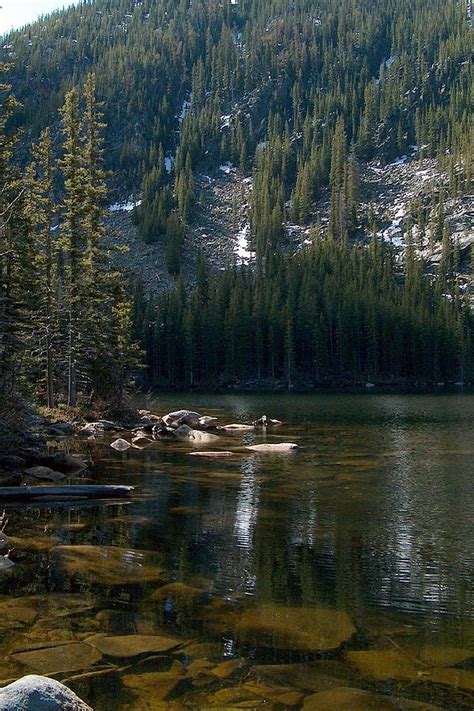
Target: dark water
366, 531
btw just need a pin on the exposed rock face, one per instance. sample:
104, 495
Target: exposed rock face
37, 693
223, 214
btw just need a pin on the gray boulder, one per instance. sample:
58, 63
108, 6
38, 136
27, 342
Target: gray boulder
63, 462
60, 429
44, 473
38, 693
182, 417
186, 432
121, 445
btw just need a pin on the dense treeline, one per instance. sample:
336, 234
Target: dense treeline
269, 86
64, 312
335, 314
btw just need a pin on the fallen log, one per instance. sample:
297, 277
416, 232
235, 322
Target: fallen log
92, 491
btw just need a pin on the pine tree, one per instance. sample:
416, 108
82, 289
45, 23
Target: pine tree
73, 238
39, 208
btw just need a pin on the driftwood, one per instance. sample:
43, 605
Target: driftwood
91, 491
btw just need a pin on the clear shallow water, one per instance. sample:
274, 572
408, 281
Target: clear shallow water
372, 516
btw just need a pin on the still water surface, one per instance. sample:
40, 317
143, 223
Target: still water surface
363, 537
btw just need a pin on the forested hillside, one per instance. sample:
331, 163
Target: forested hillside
279, 129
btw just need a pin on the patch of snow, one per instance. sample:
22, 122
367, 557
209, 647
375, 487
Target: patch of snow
425, 174
226, 167
168, 164
225, 121
127, 206
399, 161
247, 181
241, 248
209, 179
390, 61
186, 105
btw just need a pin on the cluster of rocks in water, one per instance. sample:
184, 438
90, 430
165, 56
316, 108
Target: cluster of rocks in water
182, 425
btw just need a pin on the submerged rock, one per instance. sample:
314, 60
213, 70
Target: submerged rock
71, 656
211, 455
183, 596
109, 565
132, 645
33, 543
294, 628
253, 696
424, 663
37, 693
280, 448
346, 699
153, 687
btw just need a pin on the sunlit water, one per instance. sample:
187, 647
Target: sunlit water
372, 515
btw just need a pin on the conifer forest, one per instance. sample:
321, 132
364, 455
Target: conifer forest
119, 104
